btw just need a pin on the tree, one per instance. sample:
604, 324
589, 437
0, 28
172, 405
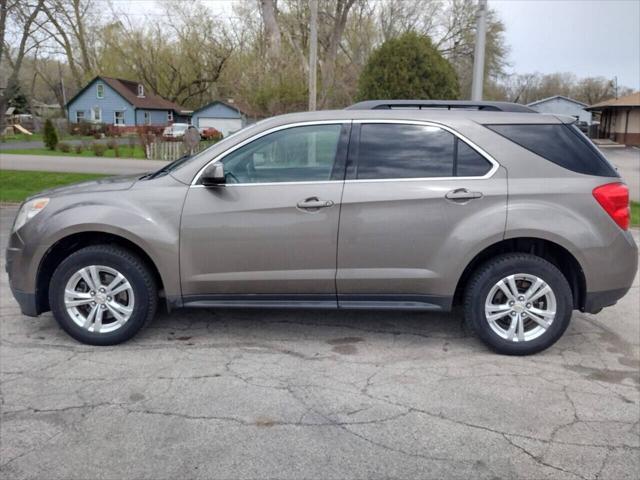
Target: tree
50, 135
409, 67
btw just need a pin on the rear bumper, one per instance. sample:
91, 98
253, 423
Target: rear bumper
596, 301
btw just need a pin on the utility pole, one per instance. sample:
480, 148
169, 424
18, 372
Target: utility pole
313, 54
478, 56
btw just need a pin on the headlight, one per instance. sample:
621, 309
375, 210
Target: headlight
29, 210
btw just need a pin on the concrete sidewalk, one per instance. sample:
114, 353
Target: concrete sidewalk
51, 163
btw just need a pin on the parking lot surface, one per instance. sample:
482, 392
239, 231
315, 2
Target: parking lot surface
241, 394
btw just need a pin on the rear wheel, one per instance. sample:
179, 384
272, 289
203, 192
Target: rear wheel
518, 304
102, 295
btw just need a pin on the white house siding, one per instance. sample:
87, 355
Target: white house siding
562, 106
108, 105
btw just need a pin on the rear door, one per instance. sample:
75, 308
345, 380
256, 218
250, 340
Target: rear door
270, 234
418, 202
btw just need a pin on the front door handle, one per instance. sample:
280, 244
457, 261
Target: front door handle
462, 195
314, 203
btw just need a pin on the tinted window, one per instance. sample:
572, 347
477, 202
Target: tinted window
404, 151
292, 155
470, 163
560, 144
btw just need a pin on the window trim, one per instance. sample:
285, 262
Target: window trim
140, 90
98, 118
169, 115
354, 131
146, 117
98, 89
78, 120
483, 153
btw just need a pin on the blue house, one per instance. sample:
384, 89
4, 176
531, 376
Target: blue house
221, 116
122, 102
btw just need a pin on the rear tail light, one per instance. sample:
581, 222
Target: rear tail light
614, 198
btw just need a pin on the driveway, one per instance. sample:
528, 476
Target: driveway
627, 160
245, 394
108, 166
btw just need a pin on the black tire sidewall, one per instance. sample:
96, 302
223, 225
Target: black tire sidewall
501, 267
128, 265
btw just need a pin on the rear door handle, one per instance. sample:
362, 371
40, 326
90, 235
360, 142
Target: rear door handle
314, 203
462, 194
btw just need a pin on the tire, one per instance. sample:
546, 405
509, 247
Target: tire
486, 297
93, 313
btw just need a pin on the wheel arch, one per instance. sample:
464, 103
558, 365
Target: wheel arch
551, 251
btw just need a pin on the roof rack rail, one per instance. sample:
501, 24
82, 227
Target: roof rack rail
444, 104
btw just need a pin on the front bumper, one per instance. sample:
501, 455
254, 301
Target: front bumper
27, 302
19, 265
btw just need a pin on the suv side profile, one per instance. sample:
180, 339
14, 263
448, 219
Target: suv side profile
514, 215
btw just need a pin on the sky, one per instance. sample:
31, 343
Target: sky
584, 37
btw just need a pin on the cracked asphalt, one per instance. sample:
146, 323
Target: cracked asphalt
243, 394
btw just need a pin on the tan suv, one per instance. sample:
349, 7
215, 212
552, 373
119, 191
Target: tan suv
514, 214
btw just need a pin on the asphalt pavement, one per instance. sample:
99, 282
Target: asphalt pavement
248, 394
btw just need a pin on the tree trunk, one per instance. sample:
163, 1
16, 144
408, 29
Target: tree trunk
269, 11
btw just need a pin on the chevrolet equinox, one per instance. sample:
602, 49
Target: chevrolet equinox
514, 215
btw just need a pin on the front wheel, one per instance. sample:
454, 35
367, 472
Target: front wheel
102, 295
518, 304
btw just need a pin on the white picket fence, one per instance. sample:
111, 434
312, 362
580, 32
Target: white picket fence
160, 150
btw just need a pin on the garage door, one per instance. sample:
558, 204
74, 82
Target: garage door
225, 125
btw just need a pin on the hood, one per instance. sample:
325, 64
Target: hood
102, 185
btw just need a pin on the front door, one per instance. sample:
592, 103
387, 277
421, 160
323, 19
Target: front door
269, 235
418, 202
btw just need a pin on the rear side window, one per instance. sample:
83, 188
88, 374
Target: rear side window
561, 144
389, 151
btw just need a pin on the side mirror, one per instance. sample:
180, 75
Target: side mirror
213, 175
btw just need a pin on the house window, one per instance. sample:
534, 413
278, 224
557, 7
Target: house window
79, 116
119, 118
96, 114
147, 118
140, 90
100, 90
170, 116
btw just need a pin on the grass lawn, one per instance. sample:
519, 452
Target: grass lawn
125, 152
635, 214
17, 185
37, 137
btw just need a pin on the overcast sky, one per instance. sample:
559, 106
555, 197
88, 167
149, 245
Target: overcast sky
585, 37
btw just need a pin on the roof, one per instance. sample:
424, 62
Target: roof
632, 100
219, 102
128, 90
544, 100
441, 104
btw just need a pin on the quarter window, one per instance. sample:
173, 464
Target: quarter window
470, 163
100, 90
293, 155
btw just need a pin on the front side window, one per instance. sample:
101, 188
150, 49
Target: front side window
79, 116
397, 151
297, 154
100, 90
119, 118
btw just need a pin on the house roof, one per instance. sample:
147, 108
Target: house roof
220, 102
128, 90
544, 100
632, 100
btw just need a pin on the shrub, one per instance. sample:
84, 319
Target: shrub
50, 135
79, 148
98, 149
408, 66
112, 144
97, 135
63, 147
